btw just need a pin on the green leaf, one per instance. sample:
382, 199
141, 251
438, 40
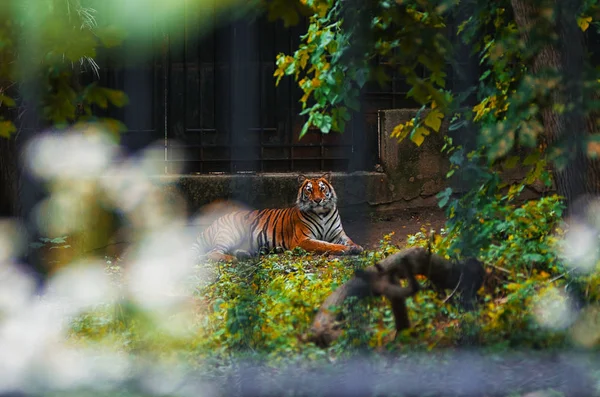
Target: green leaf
511, 162
7, 101
456, 125
317, 119
7, 128
532, 158
546, 178
444, 196
110, 36
457, 158
378, 74
361, 77
305, 128
326, 124
353, 103
291, 68
484, 75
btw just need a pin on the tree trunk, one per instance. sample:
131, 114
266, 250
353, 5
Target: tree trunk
581, 175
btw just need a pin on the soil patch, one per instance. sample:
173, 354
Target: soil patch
368, 230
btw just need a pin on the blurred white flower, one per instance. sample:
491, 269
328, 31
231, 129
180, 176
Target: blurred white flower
24, 336
61, 213
158, 270
553, 309
71, 155
579, 249
125, 185
80, 286
16, 289
11, 239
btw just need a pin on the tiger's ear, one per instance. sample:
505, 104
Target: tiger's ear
326, 176
301, 178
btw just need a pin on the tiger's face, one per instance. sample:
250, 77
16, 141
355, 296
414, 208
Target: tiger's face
316, 195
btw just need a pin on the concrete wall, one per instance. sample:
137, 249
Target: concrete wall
407, 177
417, 174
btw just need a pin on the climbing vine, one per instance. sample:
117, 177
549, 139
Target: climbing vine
331, 65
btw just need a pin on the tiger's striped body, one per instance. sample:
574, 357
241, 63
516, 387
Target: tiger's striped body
314, 224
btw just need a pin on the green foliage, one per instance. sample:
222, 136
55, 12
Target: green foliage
474, 214
317, 66
57, 242
263, 308
332, 72
49, 44
413, 34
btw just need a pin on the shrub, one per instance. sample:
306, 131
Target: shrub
263, 307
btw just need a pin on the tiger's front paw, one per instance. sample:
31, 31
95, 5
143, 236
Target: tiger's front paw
242, 255
355, 250
220, 257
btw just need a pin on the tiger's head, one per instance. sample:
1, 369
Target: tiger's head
316, 195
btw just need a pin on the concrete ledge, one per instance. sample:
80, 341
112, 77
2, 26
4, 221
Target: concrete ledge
275, 190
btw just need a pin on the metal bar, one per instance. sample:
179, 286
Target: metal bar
167, 92
232, 71
214, 69
266, 145
214, 129
257, 29
185, 71
254, 160
290, 131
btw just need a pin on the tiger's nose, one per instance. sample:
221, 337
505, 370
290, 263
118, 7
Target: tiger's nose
318, 200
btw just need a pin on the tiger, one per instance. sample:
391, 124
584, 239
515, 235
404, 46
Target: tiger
313, 224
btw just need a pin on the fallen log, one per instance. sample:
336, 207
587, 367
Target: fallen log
377, 280
382, 279
464, 277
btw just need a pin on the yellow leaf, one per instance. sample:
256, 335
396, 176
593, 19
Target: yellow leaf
401, 131
305, 97
279, 74
322, 9
434, 120
419, 135
584, 23
480, 109
304, 57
